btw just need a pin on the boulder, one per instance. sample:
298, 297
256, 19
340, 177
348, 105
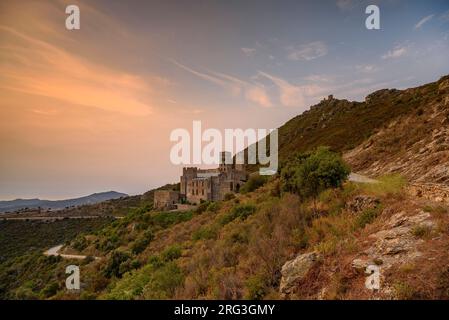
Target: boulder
295, 270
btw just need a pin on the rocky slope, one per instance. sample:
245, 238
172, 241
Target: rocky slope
406, 244
416, 144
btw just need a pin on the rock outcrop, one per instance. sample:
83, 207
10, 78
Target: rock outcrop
430, 191
361, 203
395, 243
295, 270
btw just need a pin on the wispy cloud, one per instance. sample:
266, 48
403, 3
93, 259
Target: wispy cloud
291, 95
35, 66
320, 78
258, 95
202, 75
249, 52
366, 68
308, 51
396, 52
423, 21
251, 92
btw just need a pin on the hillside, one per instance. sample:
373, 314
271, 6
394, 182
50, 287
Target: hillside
17, 204
415, 144
272, 243
344, 125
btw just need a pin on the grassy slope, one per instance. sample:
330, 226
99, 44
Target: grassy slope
235, 249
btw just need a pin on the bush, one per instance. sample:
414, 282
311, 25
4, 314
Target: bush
308, 174
171, 253
241, 211
213, 207
50, 290
228, 196
140, 244
80, 243
366, 217
404, 291
204, 205
164, 282
204, 233
117, 264
421, 231
256, 287
254, 182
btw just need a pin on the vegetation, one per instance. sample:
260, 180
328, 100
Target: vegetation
21, 246
309, 174
254, 182
18, 237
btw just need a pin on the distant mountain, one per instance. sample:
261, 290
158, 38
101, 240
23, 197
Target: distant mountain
14, 205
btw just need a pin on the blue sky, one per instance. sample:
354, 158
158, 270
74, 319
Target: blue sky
92, 109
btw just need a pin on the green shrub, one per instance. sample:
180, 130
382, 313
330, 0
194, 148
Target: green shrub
164, 282
308, 174
166, 219
254, 182
205, 233
204, 205
256, 287
421, 231
367, 217
404, 291
213, 207
229, 196
80, 243
171, 253
140, 244
117, 264
50, 289
241, 211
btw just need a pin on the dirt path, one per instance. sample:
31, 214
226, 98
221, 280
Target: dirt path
54, 251
355, 177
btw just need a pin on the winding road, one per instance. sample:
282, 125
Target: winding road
355, 177
54, 251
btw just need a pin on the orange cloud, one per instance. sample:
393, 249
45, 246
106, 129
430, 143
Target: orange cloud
37, 67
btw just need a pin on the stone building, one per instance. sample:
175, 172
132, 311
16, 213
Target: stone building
198, 185
212, 184
166, 199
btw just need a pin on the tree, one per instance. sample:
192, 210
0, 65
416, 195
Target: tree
308, 174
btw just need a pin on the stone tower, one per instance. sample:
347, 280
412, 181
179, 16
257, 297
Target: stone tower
225, 162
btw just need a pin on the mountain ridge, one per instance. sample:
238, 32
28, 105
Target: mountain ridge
19, 203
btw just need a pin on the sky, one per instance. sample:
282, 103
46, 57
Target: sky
91, 110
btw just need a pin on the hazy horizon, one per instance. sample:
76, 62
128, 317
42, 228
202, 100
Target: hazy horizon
91, 110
